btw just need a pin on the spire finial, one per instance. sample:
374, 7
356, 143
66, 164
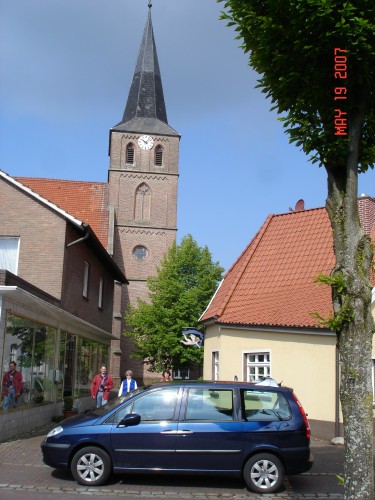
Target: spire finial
149, 4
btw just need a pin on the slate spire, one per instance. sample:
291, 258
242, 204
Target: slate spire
146, 98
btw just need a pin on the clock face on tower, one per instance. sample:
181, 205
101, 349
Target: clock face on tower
145, 142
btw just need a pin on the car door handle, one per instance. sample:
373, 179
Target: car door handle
184, 431
169, 432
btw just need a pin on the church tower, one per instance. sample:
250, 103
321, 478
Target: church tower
143, 180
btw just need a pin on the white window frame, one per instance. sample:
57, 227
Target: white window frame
10, 249
181, 374
215, 365
86, 273
257, 368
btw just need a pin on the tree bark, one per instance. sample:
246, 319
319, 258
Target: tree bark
352, 312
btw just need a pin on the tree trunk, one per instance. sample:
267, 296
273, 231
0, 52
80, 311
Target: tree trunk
354, 323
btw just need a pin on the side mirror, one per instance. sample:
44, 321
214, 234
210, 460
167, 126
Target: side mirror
129, 420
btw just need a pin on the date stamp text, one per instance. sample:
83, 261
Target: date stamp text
340, 91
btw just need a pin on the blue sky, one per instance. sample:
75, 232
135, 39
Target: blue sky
66, 68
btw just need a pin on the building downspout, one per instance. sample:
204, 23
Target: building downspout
337, 403
87, 234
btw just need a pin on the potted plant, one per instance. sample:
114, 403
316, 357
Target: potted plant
68, 406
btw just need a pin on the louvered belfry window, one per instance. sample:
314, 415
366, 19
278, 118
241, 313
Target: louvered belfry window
130, 153
159, 156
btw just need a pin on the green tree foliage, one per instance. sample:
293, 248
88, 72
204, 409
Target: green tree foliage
316, 60
292, 44
179, 293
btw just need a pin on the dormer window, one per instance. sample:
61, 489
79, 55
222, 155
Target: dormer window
130, 154
159, 156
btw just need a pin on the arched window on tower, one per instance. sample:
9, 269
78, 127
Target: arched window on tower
159, 156
130, 154
142, 208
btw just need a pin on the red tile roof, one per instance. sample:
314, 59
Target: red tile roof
86, 201
272, 282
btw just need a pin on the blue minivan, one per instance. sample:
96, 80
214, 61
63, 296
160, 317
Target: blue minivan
255, 431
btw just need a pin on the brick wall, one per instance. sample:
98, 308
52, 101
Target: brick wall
156, 230
42, 237
72, 299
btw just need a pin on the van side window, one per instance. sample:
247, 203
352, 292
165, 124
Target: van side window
265, 405
209, 404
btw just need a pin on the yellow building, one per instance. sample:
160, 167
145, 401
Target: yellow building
261, 320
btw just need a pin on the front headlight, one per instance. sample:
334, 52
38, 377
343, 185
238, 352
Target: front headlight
54, 431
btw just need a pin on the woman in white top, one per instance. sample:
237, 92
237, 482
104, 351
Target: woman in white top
128, 384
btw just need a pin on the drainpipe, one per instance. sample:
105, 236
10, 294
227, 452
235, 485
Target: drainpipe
87, 234
337, 405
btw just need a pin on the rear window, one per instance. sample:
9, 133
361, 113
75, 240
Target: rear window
209, 404
265, 405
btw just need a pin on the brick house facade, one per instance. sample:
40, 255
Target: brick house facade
56, 307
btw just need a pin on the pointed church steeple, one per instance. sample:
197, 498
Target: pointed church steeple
146, 98
145, 107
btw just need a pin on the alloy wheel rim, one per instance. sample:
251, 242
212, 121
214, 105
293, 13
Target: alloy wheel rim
264, 474
90, 467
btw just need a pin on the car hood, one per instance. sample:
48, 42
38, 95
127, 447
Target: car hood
80, 420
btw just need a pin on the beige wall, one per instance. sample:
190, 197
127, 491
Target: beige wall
305, 362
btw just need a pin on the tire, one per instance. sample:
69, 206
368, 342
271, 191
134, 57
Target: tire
91, 466
263, 473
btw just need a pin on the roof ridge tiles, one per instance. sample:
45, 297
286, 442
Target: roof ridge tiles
48, 179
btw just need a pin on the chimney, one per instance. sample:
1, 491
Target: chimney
366, 207
300, 205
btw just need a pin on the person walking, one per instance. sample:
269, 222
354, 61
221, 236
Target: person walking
101, 387
128, 384
12, 386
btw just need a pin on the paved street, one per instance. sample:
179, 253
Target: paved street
23, 475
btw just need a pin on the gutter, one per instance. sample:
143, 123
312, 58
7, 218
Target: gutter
100, 252
85, 237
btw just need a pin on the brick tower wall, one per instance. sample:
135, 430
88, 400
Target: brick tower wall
155, 230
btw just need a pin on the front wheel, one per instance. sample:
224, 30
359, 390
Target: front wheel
91, 466
263, 473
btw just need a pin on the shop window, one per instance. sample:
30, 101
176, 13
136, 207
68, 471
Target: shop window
32, 346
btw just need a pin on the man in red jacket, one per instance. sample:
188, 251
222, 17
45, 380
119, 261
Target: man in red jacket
101, 387
12, 386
